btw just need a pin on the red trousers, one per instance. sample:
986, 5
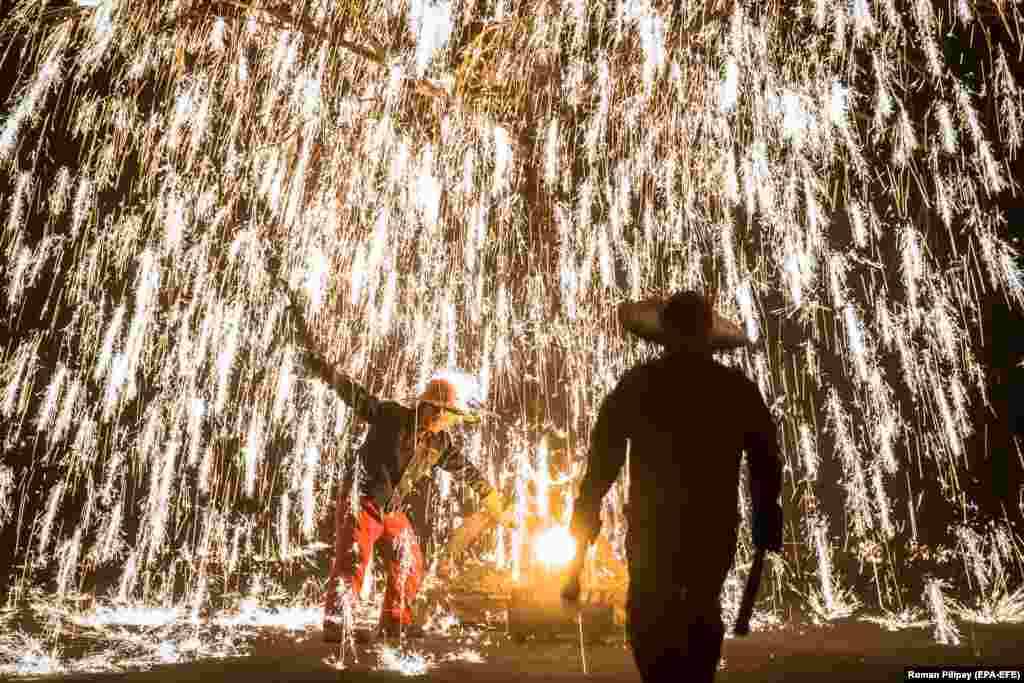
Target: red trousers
354, 540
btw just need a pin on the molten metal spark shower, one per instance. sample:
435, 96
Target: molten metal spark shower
478, 199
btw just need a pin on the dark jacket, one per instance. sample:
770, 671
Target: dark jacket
687, 419
392, 440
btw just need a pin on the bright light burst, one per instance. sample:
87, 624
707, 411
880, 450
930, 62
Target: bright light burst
555, 547
481, 194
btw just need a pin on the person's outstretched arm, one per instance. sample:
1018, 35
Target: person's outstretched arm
607, 456
362, 402
762, 447
455, 462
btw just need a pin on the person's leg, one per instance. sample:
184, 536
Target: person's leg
701, 647
404, 560
354, 538
653, 608
675, 636
652, 637
701, 605
673, 612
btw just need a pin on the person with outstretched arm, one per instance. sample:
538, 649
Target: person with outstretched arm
685, 420
403, 446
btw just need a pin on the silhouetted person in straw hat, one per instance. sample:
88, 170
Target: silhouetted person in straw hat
402, 448
685, 420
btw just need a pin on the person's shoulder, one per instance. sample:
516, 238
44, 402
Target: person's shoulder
638, 373
395, 409
639, 377
732, 373
711, 370
740, 384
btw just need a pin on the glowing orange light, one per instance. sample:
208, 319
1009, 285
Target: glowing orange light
555, 547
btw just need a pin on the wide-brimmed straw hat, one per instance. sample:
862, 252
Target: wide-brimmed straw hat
686, 320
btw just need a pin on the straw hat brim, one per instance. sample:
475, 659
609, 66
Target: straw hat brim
646, 319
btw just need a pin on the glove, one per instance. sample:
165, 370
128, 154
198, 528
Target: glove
570, 592
499, 510
767, 527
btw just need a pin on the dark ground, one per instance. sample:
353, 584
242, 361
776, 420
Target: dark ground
851, 651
